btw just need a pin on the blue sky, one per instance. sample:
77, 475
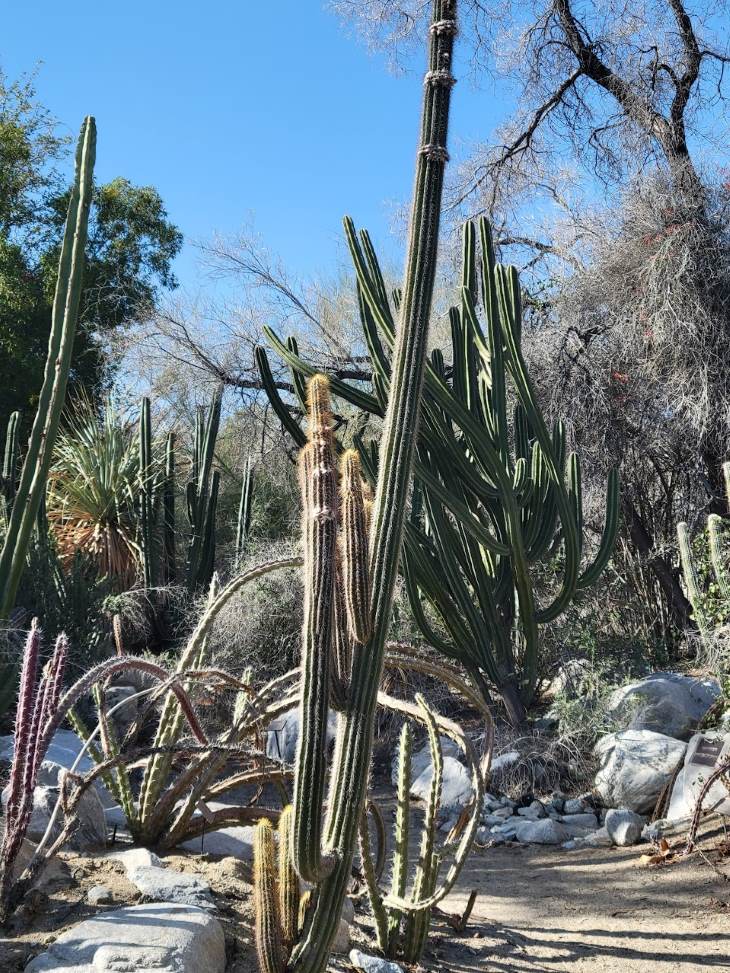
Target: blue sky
236, 111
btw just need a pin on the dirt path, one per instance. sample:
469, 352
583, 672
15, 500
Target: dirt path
542, 908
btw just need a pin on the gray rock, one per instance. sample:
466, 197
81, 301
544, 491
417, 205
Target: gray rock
373, 964
99, 895
91, 829
664, 702
136, 858
282, 735
635, 765
483, 835
597, 839
456, 790
703, 750
575, 805
543, 832
504, 761
491, 803
236, 841
166, 885
569, 678
533, 812
557, 800
163, 938
123, 717
586, 820
624, 827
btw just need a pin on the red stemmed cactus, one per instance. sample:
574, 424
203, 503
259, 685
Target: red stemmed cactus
37, 704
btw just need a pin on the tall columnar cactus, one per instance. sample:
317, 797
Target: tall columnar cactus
169, 556
146, 488
497, 501
719, 558
351, 762
37, 462
9, 477
202, 497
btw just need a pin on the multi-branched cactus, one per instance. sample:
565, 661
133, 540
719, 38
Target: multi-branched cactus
34, 473
719, 558
498, 503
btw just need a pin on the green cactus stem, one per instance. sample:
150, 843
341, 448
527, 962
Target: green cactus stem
268, 932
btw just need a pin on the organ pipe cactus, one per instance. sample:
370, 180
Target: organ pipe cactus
146, 487
276, 894
719, 565
202, 497
169, 557
245, 506
498, 503
34, 474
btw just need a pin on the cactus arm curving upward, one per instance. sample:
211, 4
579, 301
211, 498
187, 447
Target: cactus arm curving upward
36, 465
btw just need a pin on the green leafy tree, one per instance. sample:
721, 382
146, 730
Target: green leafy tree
130, 251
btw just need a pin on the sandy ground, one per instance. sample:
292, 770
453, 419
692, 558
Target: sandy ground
538, 909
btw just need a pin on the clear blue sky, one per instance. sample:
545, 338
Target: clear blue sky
235, 109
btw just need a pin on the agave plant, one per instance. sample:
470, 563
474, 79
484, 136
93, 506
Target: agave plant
93, 490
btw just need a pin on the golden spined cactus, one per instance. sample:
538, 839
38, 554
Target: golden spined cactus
318, 479
289, 890
268, 929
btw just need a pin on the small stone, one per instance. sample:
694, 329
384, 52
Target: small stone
373, 964
543, 832
482, 835
99, 895
584, 820
574, 805
597, 839
624, 827
503, 812
533, 812
166, 885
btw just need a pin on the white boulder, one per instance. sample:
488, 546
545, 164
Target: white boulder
282, 735
162, 938
635, 766
624, 827
704, 752
664, 702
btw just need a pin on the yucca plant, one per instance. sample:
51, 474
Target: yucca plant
94, 486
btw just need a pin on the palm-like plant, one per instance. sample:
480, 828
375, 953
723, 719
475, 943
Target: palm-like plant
94, 489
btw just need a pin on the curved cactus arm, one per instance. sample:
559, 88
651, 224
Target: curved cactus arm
371, 884
37, 463
277, 403
268, 930
454, 732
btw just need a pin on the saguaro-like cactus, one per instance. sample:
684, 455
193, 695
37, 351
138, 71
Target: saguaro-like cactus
146, 487
269, 936
37, 462
9, 477
719, 556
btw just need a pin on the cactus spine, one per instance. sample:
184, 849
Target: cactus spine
36, 465
719, 564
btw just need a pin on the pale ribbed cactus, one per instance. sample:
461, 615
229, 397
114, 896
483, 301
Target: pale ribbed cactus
9, 476
245, 508
719, 556
289, 886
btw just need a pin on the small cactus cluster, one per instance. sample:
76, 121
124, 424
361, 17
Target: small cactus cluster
38, 700
719, 564
277, 893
